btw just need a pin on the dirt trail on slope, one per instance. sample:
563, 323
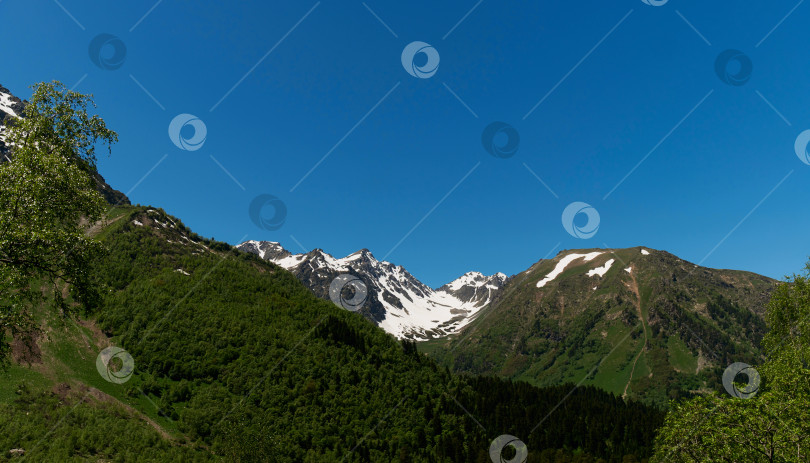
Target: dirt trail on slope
104, 397
83, 393
94, 229
634, 287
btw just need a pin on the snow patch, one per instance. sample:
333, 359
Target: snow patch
601, 270
563, 263
182, 271
430, 311
138, 223
645, 252
629, 270
289, 262
5, 105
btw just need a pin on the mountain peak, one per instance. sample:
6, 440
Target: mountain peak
397, 301
474, 279
363, 254
664, 316
599, 260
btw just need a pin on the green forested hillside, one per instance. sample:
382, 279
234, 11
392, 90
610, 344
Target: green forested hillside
236, 360
765, 416
84, 426
653, 326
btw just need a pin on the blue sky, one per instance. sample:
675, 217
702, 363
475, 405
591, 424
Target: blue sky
279, 85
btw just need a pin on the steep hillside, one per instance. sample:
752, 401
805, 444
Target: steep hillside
395, 300
233, 357
650, 325
52, 378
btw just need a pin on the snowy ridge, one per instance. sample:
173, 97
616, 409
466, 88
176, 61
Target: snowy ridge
475, 279
401, 304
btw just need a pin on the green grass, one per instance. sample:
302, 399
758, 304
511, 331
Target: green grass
680, 357
14, 376
615, 369
69, 353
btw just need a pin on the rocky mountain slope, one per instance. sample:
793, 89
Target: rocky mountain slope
396, 300
637, 322
12, 107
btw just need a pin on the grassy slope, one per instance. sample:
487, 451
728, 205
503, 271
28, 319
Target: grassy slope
562, 331
57, 382
95, 418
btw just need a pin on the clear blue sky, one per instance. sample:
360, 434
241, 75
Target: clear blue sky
617, 77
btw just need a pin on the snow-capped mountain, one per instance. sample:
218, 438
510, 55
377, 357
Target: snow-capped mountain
396, 301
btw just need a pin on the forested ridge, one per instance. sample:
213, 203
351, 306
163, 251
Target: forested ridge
245, 359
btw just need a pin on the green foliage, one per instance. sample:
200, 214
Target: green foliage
46, 191
87, 430
772, 426
250, 363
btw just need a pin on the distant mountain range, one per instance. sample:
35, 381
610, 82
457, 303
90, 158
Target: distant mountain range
396, 300
637, 322
649, 324
11, 108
